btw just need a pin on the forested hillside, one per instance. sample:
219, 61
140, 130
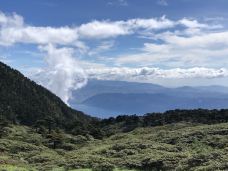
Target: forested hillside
22, 101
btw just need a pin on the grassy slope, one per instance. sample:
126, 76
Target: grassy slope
179, 146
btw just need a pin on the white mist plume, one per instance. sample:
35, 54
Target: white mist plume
62, 74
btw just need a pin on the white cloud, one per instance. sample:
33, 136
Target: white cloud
11, 20
102, 29
14, 30
107, 29
203, 40
63, 74
192, 23
150, 24
208, 49
149, 74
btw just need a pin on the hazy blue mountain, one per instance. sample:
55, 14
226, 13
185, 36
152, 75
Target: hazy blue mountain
95, 87
110, 98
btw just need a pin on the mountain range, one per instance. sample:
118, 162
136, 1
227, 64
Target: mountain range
104, 98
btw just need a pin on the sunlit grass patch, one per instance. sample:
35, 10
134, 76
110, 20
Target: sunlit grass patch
15, 168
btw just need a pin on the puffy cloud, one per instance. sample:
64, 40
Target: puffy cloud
11, 20
106, 29
38, 35
14, 30
177, 49
192, 23
150, 24
62, 74
102, 29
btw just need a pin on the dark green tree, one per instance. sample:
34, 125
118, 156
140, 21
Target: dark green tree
55, 139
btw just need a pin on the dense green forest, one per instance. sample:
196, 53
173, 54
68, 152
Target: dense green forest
39, 132
22, 101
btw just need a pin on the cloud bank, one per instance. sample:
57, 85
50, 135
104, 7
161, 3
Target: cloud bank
146, 73
14, 30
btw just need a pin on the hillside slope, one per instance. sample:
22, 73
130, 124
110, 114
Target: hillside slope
23, 101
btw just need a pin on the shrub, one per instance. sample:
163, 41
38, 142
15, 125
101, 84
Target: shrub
103, 167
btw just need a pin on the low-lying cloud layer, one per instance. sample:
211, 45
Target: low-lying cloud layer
186, 47
145, 73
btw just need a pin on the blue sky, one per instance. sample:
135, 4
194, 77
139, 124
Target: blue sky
70, 12
61, 44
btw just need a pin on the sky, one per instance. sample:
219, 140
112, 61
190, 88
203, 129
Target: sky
61, 44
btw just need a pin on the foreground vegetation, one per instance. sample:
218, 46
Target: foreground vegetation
182, 146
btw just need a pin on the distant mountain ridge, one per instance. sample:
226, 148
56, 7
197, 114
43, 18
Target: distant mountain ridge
95, 87
110, 98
